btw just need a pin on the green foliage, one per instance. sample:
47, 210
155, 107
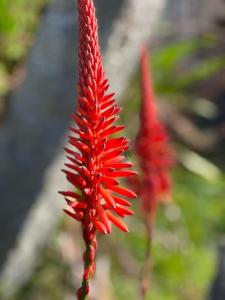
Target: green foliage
184, 241
176, 68
18, 20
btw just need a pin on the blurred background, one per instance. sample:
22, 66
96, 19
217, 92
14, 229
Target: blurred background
40, 249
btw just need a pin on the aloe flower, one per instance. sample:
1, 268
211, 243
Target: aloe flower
155, 157
153, 150
96, 159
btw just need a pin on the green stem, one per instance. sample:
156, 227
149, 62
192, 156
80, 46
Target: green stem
146, 269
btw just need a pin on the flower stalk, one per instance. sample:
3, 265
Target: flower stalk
155, 160
89, 268
96, 155
146, 268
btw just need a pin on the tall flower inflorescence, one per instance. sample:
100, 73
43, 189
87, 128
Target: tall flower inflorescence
152, 148
155, 160
96, 159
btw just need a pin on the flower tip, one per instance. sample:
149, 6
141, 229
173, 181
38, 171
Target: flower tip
77, 217
68, 201
100, 226
134, 173
124, 228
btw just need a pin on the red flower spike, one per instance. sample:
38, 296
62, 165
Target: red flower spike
155, 160
152, 147
96, 158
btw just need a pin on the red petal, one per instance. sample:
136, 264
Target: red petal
74, 130
111, 154
84, 101
99, 225
67, 150
109, 112
108, 180
101, 120
123, 211
79, 132
90, 93
79, 145
117, 142
73, 167
70, 194
69, 202
74, 216
99, 149
114, 160
121, 190
77, 204
112, 130
107, 97
121, 201
117, 110
79, 157
75, 179
104, 218
75, 161
85, 172
119, 165
108, 103
117, 222
81, 121
109, 122
108, 198
106, 170
123, 173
